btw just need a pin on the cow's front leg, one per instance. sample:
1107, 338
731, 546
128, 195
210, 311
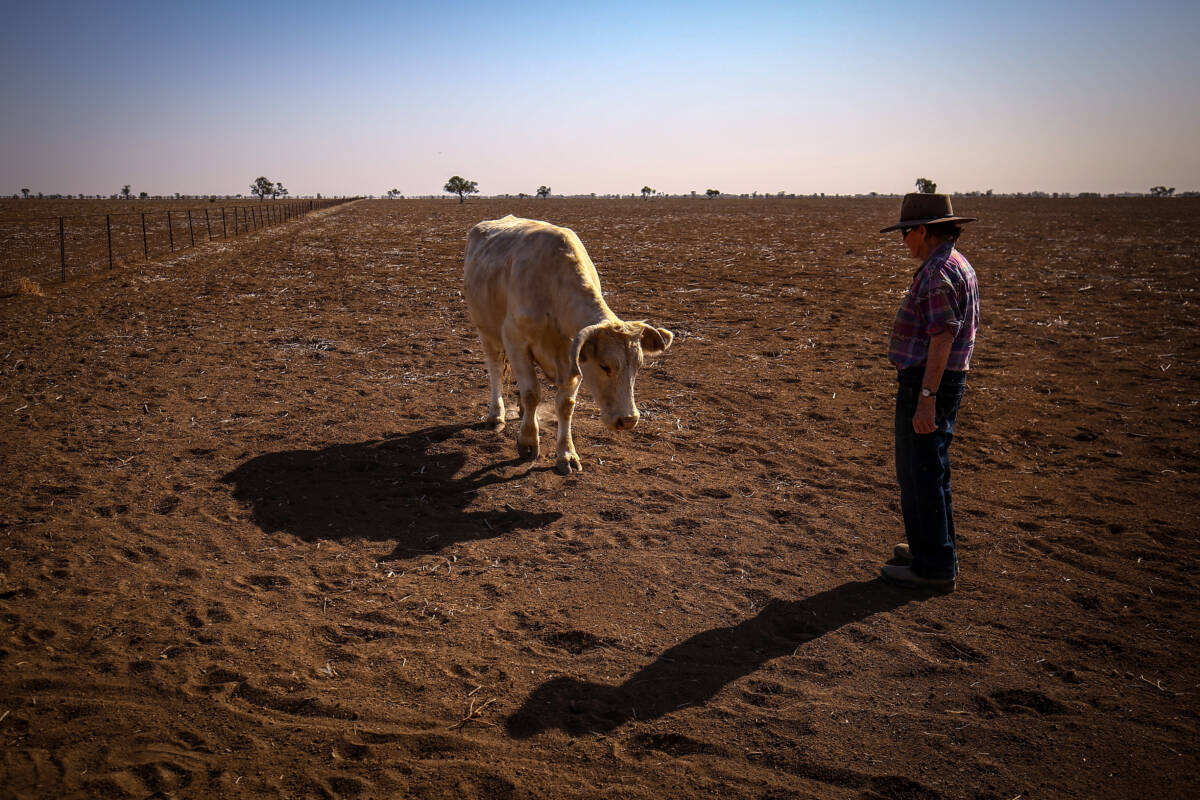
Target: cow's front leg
531, 395
568, 459
527, 438
521, 362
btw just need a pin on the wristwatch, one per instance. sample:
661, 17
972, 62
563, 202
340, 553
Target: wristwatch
927, 392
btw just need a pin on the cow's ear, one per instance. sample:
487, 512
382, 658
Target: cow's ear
655, 340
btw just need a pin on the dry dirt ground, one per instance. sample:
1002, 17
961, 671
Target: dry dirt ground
254, 542
43, 240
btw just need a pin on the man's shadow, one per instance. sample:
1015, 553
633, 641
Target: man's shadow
396, 488
694, 671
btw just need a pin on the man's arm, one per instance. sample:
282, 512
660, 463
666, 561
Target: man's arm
925, 420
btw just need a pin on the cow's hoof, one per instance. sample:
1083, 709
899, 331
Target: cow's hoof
568, 464
527, 452
496, 424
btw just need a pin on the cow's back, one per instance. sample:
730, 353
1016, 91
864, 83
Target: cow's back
525, 268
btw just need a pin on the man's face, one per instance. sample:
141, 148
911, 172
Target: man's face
914, 240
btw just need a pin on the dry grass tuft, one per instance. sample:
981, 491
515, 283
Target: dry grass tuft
26, 286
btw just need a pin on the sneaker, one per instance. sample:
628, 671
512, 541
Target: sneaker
904, 576
902, 554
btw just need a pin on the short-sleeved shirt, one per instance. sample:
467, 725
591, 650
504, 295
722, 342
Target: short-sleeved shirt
944, 295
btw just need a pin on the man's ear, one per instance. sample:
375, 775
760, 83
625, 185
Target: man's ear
655, 340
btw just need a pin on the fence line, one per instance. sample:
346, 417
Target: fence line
48, 248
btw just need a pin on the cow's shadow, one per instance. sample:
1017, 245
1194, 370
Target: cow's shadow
694, 671
399, 488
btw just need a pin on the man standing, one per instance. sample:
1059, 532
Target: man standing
931, 345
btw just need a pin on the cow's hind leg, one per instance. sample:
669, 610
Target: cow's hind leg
497, 367
530, 393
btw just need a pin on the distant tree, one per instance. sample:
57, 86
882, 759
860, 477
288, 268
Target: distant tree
25, 193
461, 187
392, 194
712, 193
125, 193
262, 188
926, 186
1161, 191
279, 191
143, 196
543, 192
646, 192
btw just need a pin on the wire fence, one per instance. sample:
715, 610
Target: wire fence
55, 248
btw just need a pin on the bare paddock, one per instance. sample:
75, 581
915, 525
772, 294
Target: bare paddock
255, 542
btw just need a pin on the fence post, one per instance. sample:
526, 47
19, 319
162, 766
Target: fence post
145, 242
62, 249
170, 231
191, 236
208, 224
224, 229
108, 232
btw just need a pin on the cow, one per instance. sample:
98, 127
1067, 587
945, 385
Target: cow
534, 296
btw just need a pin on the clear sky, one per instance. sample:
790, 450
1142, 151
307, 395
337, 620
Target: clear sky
360, 97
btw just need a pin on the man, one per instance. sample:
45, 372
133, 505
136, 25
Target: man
931, 345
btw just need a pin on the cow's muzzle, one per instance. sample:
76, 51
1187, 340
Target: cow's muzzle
626, 423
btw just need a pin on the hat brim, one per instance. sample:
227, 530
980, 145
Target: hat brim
912, 223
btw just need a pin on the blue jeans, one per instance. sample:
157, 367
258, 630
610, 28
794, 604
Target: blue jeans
923, 470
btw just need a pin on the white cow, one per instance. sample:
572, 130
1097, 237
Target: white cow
534, 295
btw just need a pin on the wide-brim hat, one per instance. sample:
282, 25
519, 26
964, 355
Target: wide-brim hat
919, 208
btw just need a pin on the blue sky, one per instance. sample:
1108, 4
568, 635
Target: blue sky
360, 97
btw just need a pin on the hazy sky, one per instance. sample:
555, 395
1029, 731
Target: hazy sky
836, 97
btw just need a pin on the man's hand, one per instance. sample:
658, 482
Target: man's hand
925, 420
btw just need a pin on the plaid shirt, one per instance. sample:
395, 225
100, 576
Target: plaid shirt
944, 295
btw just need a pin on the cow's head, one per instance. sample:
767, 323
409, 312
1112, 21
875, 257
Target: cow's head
608, 356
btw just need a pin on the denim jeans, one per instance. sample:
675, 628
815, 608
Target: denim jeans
923, 470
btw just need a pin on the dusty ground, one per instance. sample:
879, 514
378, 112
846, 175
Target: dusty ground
254, 544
